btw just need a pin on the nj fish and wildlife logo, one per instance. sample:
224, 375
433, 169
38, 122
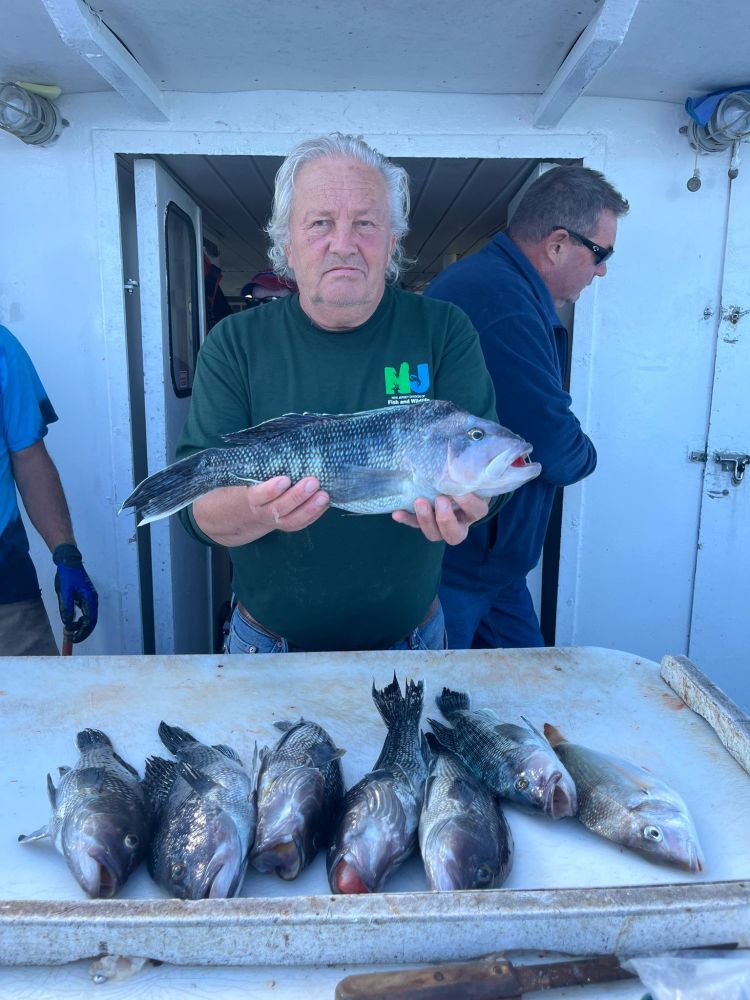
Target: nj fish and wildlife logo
403, 386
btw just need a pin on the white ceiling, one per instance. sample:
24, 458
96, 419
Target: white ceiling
673, 48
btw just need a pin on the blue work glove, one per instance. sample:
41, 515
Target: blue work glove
75, 589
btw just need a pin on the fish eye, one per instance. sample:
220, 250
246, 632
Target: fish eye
476, 433
653, 833
177, 871
131, 841
521, 784
484, 875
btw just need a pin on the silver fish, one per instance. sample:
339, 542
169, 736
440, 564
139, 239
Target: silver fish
371, 462
377, 829
516, 762
464, 838
627, 804
300, 789
100, 817
205, 817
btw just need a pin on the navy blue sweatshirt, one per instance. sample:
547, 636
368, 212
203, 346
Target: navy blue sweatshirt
525, 347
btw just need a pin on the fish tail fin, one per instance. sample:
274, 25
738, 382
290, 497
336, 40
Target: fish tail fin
171, 489
553, 734
449, 702
174, 738
397, 710
444, 737
87, 739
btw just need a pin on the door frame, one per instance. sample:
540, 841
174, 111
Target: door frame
589, 148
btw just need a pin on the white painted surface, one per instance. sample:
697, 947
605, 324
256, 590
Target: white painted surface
236, 701
180, 565
721, 607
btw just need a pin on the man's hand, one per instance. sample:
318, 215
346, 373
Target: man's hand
236, 515
450, 519
75, 590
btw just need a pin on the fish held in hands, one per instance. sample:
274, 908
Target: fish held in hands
300, 789
204, 803
627, 804
379, 819
516, 762
372, 462
100, 817
464, 838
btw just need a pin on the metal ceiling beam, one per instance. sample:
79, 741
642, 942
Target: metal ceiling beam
83, 30
597, 43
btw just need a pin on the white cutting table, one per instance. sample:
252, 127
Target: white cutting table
569, 891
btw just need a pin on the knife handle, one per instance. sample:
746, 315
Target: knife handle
491, 978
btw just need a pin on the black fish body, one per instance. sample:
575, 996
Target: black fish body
464, 838
371, 462
377, 829
300, 789
205, 810
101, 820
515, 762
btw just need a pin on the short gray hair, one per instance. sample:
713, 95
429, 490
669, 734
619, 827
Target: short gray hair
334, 146
569, 197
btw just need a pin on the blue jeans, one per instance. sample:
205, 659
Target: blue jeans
492, 618
247, 637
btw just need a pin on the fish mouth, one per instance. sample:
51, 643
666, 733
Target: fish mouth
285, 858
512, 468
346, 879
558, 798
100, 875
224, 873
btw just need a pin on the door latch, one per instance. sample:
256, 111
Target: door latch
732, 462
130, 285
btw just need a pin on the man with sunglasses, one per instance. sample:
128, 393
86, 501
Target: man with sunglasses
559, 239
266, 287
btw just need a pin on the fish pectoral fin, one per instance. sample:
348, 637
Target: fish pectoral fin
92, 778
199, 781
40, 834
360, 482
463, 792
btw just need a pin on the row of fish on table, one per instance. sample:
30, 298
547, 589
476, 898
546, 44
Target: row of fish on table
201, 817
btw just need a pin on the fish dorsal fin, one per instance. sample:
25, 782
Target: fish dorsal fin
271, 429
227, 752
360, 482
124, 763
51, 791
532, 728
158, 781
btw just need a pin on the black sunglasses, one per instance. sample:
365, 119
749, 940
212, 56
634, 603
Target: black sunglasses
600, 253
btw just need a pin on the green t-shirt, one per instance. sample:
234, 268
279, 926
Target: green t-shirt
348, 581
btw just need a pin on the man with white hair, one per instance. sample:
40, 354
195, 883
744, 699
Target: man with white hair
306, 576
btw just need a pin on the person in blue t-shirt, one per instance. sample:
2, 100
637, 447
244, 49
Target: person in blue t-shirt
25, 466
557, 242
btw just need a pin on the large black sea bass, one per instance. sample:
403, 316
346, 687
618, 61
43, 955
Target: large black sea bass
371, 462
100, 820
